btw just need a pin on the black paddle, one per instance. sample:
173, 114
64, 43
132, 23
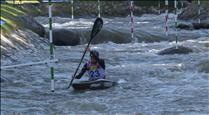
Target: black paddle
98, 23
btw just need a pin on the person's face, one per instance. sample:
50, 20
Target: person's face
93, 60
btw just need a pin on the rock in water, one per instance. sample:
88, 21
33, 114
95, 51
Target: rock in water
173, 50
63, 37
200, 25
112, 35
185, 26
30, 23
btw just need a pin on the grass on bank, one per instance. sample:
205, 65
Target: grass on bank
21, 1
10, 14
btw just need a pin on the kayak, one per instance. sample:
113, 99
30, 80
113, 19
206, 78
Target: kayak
93, 85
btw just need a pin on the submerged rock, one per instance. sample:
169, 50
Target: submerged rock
203, 67
173, 50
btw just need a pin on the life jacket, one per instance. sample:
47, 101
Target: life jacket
95, 72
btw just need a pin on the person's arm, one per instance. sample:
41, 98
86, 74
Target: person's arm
84, 67
101, 62
82, 72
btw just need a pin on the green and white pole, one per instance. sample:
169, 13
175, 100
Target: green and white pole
176, 22
199, 10
72, 10
98, 8
51, 45
159, 7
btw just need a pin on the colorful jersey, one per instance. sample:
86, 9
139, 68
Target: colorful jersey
95, 72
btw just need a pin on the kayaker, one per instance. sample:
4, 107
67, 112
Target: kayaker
95, 67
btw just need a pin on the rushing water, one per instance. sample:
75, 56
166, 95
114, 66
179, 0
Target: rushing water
147, 83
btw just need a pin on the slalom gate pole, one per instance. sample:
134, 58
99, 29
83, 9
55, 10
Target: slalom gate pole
176, 22
99, 10
199, 10
166, 17
72, 10
51, 45
159, 7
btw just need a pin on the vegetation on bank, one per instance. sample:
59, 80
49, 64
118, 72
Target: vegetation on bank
10, 15
21, 1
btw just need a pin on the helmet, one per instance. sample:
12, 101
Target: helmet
94, 53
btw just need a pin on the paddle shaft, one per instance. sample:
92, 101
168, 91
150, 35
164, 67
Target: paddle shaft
79, 63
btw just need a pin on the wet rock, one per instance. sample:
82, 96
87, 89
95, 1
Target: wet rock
63, 37
188, 26
200, 25
30, 23
173, 50
203, 66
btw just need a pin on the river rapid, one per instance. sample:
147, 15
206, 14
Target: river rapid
148, 84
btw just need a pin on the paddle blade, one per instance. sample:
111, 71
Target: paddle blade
98, 23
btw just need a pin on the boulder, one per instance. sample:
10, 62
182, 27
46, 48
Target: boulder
184, 26
30, 23
115, 36
173, 50
201, 25
64, 37
188, 26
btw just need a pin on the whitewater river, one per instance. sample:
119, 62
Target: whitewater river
148, 84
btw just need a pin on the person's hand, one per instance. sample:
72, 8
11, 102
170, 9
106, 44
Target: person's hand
77, 77
88, 49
